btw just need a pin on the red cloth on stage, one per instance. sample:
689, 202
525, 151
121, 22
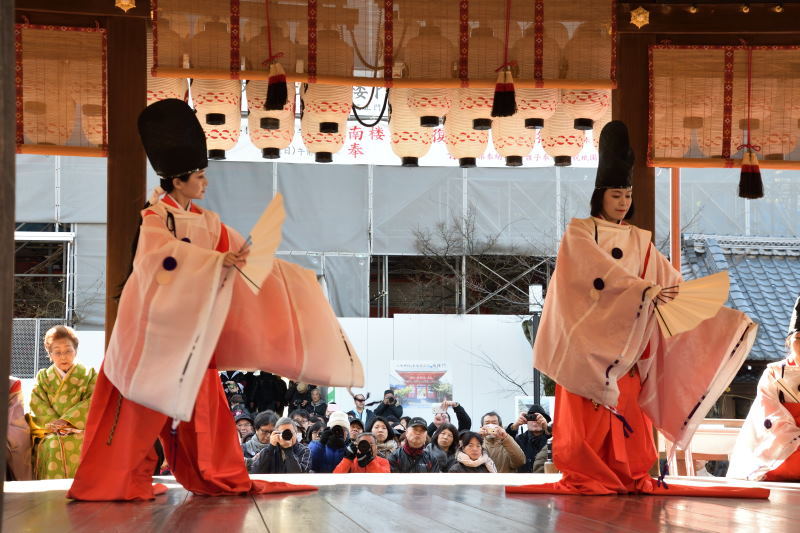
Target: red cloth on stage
204, 454
595, 457
789, 470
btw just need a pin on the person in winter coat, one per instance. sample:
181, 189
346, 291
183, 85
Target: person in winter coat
501, 447
536, 425
362, 457
471, 457
283, 454
265, 425
389, 406
360, 411
411, 456
385, 436
444, 445
266, 392
443, 417
317, 406
328, 451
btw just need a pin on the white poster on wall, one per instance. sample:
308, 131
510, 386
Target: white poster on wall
421, 386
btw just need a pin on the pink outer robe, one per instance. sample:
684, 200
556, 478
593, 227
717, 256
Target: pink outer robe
598, 339
770, 437
180, 306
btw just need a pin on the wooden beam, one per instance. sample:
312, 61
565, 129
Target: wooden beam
96, 8
666, 18
127, 87
630, 105
7, 203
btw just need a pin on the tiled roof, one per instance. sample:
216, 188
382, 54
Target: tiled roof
765, 281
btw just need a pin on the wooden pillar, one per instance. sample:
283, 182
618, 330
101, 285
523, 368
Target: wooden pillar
7, 204
630, 105
127, 88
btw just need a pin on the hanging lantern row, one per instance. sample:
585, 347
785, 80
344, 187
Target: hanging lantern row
561, 116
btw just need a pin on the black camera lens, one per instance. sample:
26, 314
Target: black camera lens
286, 434
364, 446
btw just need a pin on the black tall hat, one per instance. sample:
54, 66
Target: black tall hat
173, 138
794, 323
615, 163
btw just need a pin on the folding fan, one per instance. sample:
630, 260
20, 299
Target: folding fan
684, 306
265, 237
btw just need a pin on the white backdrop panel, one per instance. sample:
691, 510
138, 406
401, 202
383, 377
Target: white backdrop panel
409, 199
238, 192
90, 279
83, 189
35, 189
461, 341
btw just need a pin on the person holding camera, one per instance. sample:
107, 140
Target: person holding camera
472, 457
284, 454
412, 456
441, 416
536, 430
389, 406
501, 447
328, 451
361, 456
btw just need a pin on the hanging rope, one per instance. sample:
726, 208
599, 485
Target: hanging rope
749, 145
272, 57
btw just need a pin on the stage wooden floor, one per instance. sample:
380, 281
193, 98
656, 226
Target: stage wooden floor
424, 503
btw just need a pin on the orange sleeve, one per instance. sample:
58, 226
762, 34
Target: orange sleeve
344, 466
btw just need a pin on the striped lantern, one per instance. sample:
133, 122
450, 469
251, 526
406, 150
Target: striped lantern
325, 110
410, 139
219, 109
322, 145
512, 139
475, 105
585, 105
560, 140
429, 55
271, 131
463, 141
535, 106
164, 88
49, 115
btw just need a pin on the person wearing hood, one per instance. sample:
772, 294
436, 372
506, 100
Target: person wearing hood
385, 436
472, 458
265, 425
327, 452
186, 310
536, 424
444, 445
506, 454
768, 445
617, 374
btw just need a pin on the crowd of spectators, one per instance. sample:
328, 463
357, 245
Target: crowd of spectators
319, 437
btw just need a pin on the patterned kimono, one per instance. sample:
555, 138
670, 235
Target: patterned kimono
53, 398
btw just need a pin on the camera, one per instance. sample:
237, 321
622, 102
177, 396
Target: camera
491, 429
337, 431
287, 435
364, 446
390, 399
531, 417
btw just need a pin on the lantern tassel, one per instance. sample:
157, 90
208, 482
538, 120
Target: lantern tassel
505, 98
276, 88
750, 184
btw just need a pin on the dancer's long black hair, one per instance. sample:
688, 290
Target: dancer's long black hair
168, 186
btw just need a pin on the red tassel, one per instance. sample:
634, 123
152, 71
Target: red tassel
750, 184
276, 88
505, 98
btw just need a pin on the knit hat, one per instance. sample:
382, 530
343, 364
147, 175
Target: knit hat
615, 157
173, 138
339, 418
534, 409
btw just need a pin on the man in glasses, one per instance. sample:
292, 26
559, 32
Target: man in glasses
360, 412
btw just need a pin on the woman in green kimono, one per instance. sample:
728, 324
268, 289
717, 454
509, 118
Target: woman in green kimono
59, 405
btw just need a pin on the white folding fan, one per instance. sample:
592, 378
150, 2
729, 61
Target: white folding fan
684, 306
265, 238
